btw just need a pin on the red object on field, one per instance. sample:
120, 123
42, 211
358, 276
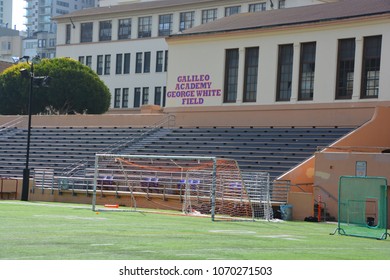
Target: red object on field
111, 205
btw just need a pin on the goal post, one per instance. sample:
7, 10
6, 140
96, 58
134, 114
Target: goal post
210, 186
362, 207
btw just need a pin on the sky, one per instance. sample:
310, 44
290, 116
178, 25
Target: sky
18, 13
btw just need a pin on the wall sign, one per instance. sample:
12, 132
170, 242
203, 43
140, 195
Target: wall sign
361, 168
193, 89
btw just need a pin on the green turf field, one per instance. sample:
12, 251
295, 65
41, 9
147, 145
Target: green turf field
55, 231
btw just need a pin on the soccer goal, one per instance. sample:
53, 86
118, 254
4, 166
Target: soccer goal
210, 186
362, 207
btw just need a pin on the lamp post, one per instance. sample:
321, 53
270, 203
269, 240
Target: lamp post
26, 170
38, 81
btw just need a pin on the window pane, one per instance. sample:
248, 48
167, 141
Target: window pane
126, 64
209, 15
118, 69
159, 61
107, 64
124, 29
186, 20
231, 75
138, 63
345, 68
251, 72
86, 32
105, 30
125, 98
232, 10
371, 66
147, 62
307, 69
285, 67
165, 25
99, 65
144, 27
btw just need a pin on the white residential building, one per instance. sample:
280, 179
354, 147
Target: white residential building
6, 13
125, 44
41, 28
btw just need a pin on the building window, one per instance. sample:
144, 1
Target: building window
119, 62
209, 15
125, 98
144, 27
186, 20
137, 97
232, 10
52, 43
88, 61
138, 62
126, 64
157, 96
145, 95
285, 69
159, 61
251, 72
231, 76
107, 64
372, 48
345, 68
67, 34
147, 62
282, 4
81, 59
117, 98
257, 7
86, 32
124, 29
42, 43
165, 25
166, 62
99, 65
306, 72
105, 30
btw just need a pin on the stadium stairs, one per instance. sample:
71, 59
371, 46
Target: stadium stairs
266, 149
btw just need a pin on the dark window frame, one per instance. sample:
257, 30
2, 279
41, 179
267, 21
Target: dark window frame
345, 68
124, 29
145, 27
251, 74
105, 30
86, 32
231, 75
165, 24
285, 72
307, 64
372, 50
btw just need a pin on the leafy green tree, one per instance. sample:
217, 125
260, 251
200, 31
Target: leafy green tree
74, 88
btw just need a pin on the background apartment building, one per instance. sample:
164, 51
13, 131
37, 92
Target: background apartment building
41, 30
125, 44
6, 13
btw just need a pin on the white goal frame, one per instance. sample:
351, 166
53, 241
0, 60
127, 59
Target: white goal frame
216, 184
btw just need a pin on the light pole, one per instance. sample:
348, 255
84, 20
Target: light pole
38, 81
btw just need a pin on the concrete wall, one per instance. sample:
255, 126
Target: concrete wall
330, 166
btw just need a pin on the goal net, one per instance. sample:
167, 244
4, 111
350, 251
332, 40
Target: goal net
362, 207
194, 185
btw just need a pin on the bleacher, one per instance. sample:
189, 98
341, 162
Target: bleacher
266, 149
270, 149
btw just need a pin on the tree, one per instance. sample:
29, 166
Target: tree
74, 88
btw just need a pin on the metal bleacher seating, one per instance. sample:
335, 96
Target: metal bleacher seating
271, 149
